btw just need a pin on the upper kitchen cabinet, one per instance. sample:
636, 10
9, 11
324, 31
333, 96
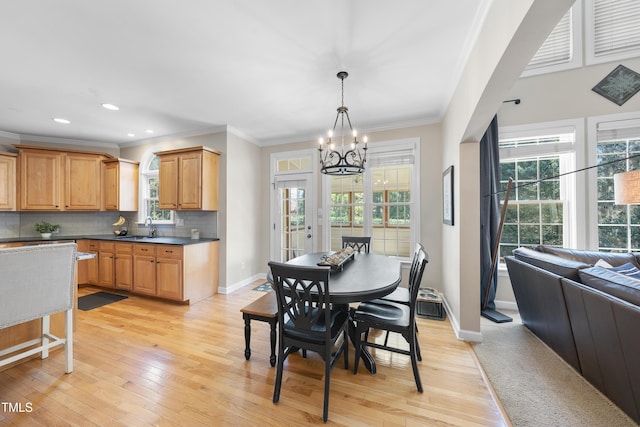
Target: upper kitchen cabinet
188, 179
120, 188
57, 180
82, 181
7, 181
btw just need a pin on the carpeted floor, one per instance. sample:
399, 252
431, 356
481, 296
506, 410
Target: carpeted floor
536, 387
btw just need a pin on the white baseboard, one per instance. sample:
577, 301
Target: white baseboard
234, 287
506, 305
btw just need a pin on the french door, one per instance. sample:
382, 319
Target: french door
292, 216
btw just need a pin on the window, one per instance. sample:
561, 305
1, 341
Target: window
618, 225
562, 49
541, 201
381, 203
613, 32
149, 184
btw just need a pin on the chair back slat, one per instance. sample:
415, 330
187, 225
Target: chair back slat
302, 294
358, 243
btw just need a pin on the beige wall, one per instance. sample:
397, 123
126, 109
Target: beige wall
430, 194
510, 36
244, 211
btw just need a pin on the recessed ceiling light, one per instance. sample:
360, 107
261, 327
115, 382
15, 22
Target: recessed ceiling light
131, 134
59, 120
111, 107
148, 131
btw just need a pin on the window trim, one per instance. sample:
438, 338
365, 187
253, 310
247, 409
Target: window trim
577, 202
592, 185
143, 190
576, 46
591, 57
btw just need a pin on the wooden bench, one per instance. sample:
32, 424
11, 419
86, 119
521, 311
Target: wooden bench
264, 309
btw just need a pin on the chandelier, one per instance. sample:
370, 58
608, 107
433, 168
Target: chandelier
350, 159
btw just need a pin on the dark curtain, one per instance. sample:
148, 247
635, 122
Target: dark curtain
489, 208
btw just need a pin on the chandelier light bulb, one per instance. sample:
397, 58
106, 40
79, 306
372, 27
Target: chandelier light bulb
330, 133
355, 133
321, 142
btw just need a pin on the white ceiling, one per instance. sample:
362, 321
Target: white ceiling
266, 69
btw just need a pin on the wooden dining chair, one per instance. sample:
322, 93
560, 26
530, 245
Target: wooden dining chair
402, 295
393, 317
307, 321
358, 243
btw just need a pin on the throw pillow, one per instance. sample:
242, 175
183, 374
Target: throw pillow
627, 269
602, 263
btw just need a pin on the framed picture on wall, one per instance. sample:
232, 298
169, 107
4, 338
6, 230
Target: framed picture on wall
447, 196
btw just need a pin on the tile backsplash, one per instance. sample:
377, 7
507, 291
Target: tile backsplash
20, 224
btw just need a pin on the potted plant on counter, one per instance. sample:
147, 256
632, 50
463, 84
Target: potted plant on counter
45, 229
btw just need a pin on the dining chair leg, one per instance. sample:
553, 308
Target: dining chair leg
345, 344
279, 369
414, 362
358, 346
327, 381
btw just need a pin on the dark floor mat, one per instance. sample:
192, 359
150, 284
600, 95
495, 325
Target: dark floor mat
98, 299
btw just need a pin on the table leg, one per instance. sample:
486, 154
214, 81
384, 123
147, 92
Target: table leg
247, 337
366, 357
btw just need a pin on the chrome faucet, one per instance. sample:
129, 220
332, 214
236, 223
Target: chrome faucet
152, 229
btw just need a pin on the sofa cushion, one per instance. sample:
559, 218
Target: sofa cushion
558, 265
614, 283
591, 257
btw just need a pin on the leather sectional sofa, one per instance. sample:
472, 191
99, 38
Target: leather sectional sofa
588, 314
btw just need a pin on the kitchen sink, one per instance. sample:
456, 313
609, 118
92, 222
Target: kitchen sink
137, 238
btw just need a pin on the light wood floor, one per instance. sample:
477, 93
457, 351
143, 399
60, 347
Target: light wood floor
144, 362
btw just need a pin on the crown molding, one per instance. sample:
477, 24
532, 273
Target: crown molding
185, 134
55, 140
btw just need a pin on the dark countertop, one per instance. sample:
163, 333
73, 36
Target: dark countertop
182, 241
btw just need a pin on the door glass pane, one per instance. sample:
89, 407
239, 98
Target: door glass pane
293, 238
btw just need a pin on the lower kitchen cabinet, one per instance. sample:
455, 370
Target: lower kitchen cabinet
124, 266
106, 264
169, 272
183, 273
88, 269
144, 269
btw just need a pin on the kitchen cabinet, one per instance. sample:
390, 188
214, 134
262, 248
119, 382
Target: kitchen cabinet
124, 266
7, 181
106, 264
88, 269
169, 272
188, 179
40, 180
144, 268
120, 185
181, 273
57, 180
82, 181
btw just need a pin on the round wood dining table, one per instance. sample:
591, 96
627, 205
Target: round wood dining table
365, 277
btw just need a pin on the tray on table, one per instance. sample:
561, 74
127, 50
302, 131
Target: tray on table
337, 264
